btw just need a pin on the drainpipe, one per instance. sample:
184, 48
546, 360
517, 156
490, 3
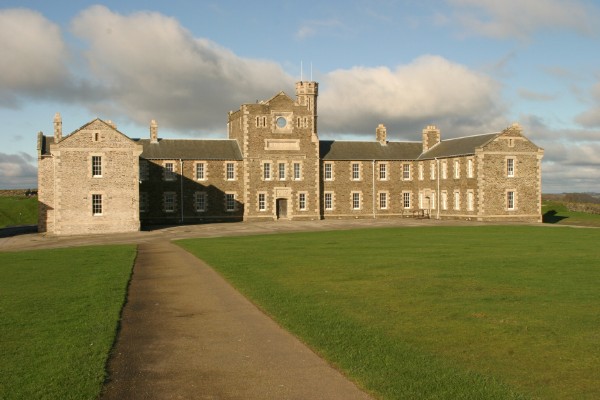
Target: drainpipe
437, 194
181, 188
373, 188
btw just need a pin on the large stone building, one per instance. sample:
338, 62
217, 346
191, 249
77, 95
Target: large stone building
273, 166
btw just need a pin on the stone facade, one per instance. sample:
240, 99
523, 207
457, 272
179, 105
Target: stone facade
273, 166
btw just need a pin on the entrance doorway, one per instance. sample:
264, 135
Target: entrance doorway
282, 212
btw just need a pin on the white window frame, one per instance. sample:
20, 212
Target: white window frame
511, 199
383, 200
444, 200
96, 166
406, 200
169, 202
297, 171
470, 168
406, 175
200, 171
383, 171
432, 200
281, 171
328, 201
262, 201
302, 201
356, 198
97, 204
230, 201
267, 176
444, 169
169, 170
456, 169
432, 169
421, 171
510, 167
230, 174
355, 171
328, 171
470, 200
457, 199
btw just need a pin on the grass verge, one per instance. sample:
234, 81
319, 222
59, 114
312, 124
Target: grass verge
493, 312
555, 212
17, 210
60, 310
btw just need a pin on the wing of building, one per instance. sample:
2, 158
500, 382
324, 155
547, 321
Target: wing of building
273, 166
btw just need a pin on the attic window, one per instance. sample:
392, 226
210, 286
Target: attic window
96, 137
281, 122
511, 142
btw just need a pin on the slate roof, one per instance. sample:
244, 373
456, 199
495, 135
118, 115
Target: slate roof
457, 147
202, 149
354, 150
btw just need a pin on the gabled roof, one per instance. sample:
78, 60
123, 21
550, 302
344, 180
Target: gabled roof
457, 147
351, 150
201, 149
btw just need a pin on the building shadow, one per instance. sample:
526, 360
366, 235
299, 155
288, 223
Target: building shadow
552, 217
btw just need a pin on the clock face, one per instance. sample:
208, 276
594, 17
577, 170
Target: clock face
281, 122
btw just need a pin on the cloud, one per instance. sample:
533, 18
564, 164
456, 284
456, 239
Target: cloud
535, 96
517, 18
34, 56
17, 171
591, 118
429, 89
313, 27
150, 67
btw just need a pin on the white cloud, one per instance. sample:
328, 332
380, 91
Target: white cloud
429, 90
517, 18
313, 27
153, 68
591, 117
34, 56
17, 171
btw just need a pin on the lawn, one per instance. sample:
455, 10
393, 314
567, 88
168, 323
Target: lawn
433, 313
60, 310
555, 212
19, 210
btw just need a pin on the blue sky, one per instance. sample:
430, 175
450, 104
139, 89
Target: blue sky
467, 66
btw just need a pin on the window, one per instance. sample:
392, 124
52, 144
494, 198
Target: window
355, 171
457, 200
456, 169
200, 201
469, 168
421, 202
262, 202
169, 202
470, 201
510, 200
328, 171
444, 169
329, 201
432, 169
302, 201
297, 171
96, 204
406, 199
281, 171
383, 172
406, 172
383, 200
230, 168
433, 199
230, 201
143, 201
421, 172
267, 171
444, 200
97, 166
144, 170
169, 171
356, 201
510, 167
201, 171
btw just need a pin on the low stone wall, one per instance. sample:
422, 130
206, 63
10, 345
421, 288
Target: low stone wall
18, 192
589, 208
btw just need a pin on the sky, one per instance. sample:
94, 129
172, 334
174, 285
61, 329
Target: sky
467, 66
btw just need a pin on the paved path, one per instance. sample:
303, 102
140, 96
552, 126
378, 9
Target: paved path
187, 334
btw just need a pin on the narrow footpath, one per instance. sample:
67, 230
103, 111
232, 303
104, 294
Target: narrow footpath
187, 334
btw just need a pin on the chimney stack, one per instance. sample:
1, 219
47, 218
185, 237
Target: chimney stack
381, 134
431, 137
153, 132
57, 128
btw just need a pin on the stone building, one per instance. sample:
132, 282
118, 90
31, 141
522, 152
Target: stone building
273, 166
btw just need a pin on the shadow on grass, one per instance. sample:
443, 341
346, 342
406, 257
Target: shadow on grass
552, 217
17, 230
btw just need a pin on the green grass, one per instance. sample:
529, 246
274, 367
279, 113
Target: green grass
492, 312
59, 313
555, 212
16, 211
